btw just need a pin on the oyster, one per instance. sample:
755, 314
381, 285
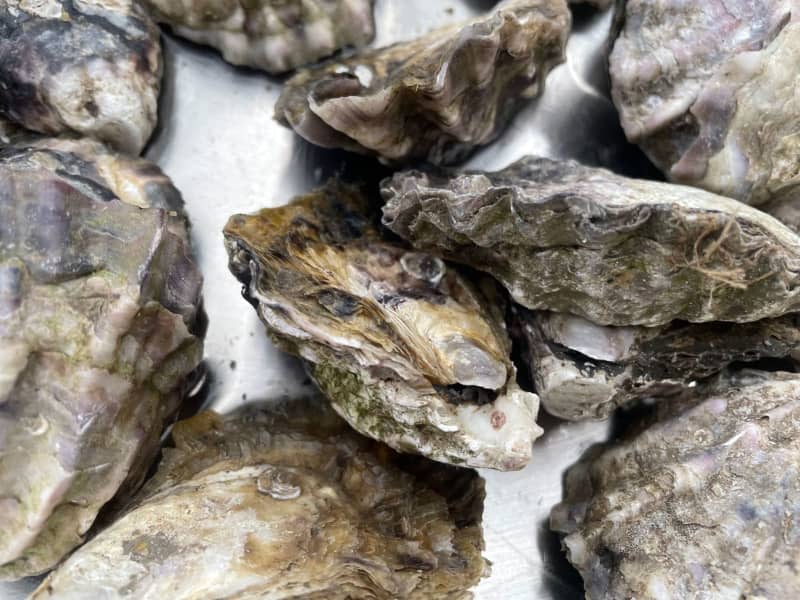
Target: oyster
708, 88
617, 251
257, 505
407, 350
701, 504
582, 370
98, 335
90, 67
433, 98
269, 35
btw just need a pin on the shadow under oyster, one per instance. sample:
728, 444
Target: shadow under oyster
586, 371
88, 67
434, 98
407, 350
569, 238
703, 503
708, 89
286, 502
99, 332
269, 35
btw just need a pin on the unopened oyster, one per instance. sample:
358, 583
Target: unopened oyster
708, 88
90, 67
269, 35
569, 238
585, 371
436, 97
98, 334
407, 350
259, 505
701, 504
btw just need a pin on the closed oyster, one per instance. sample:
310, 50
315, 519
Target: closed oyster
617, 251
585, 371
407, 350
275, 36
98, 334
90, 67
257, 505
701, 504
436, 97
708, 88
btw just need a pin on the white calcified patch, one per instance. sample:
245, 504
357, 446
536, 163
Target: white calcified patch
595, 341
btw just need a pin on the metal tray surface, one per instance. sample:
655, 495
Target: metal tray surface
219, 143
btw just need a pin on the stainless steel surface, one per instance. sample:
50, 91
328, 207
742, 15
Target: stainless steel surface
218, 142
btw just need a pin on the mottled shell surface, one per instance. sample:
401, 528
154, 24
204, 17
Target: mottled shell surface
586, 371
273, 35
702, 504
408, 351
434, 98
89, 67
99, 302
285, 505
708, 88
617, 251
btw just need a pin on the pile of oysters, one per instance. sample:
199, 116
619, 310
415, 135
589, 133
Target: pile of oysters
434, 312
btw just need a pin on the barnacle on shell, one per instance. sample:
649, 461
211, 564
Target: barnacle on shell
436, 97
702, 503
99, 332
408, 351
286, 503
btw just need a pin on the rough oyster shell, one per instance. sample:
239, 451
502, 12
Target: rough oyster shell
585, 371
433, 98
569, 238
90, 67
701, 504
98, 333
258, 504
269, 35
406, 349
708, 88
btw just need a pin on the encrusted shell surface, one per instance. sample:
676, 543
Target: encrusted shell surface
434, 98
408, 351
90, 67
586, 371
99, 332
701, 504
275, 36
289, 503
617, 251
708, 88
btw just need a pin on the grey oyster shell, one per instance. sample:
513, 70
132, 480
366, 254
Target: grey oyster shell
617, 251
708, 88
586, 371
436, 97
98, 335
88, 67
701, 504
263, 505
407, 350
275, 36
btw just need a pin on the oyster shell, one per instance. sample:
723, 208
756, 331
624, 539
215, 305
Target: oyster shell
436, 97
260, 505
585, 371
701, 504
90, 67
617, 251
407, 350
708, 88
269, 35
98, 334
